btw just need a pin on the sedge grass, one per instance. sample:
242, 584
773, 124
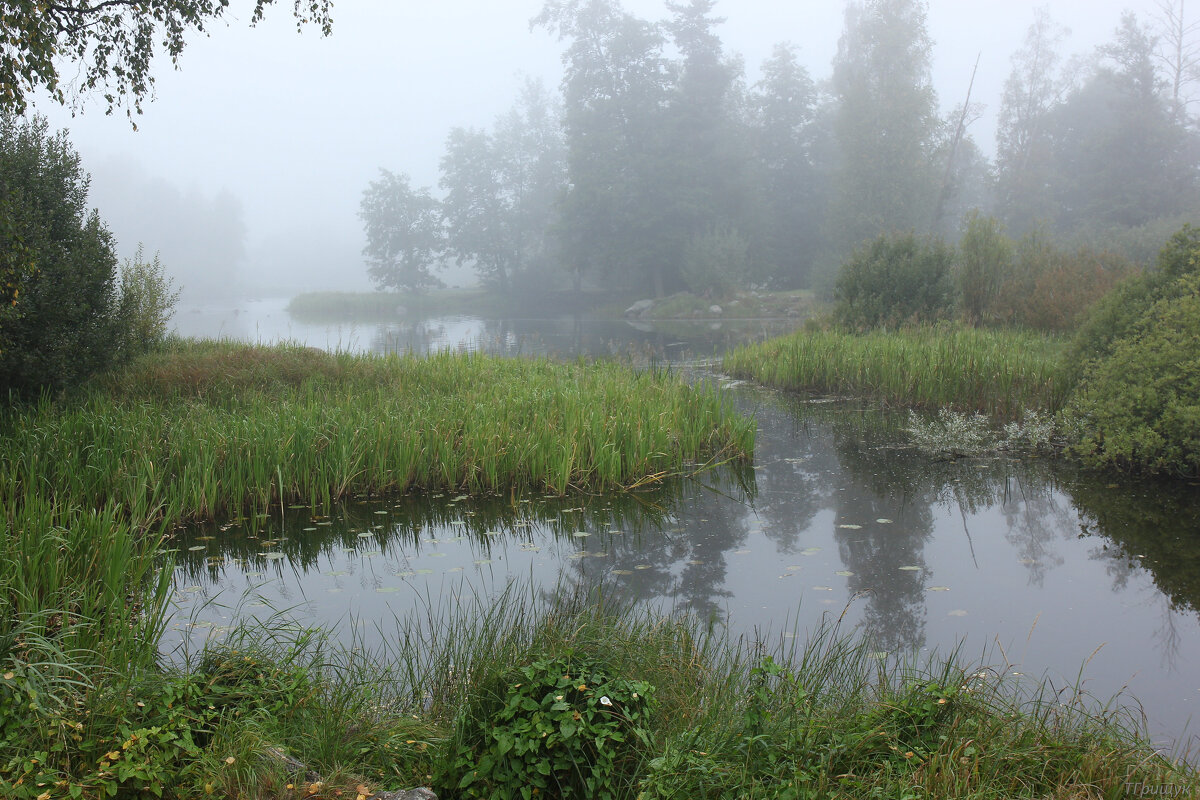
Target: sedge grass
217, 429
1000, 373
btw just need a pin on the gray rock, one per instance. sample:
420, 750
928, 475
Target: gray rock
420, 793
638, 308
714, 309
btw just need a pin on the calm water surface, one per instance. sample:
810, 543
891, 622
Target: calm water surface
1027, 563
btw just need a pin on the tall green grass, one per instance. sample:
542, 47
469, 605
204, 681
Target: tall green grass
213, 430
996, 372
814, 715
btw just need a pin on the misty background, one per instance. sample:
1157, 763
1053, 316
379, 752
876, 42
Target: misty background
248, 169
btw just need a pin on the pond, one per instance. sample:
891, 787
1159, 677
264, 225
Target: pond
1029, 565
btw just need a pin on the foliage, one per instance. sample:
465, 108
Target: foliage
996, 372
1140, 405
560, 727
405, 233
210, 430
984, 259
715, 262
894, 280
113, 43
1051, 289
145, 305
60, 325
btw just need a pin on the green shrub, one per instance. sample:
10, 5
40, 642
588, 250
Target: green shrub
716, 262
895, 280
1139, 407
1050, 289
984, 258
146, 303
557, 728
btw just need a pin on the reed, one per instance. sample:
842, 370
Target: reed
214, 430
996, 372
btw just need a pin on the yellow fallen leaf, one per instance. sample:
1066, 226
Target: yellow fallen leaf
8, 676
230, 760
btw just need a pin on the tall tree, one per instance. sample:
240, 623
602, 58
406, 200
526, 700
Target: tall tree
615, 86
1120, 155
405, 237
112, 43
1178, 53
1036, 84
502, 188
794, 191
886, 123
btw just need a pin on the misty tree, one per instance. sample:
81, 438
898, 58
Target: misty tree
405, 236
792, 185
615, 85
1178, 53
107, 46
886, 122
502, 189
1036, 84
1120, 157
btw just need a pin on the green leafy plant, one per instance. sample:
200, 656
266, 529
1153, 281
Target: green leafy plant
146, 302
894, 280
556, 728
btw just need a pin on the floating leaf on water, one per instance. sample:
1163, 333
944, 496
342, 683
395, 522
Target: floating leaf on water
193, 588
937, 588
457, 539
434, 541
845, 573
742, 552
958, 612
458, 522
911, 569
642, 566
878, 655
325, 523
365, 535
598, 554
461, 497
615, 533
622, 572
408, 573
454, 569
794, 567
695, 562
204, 538
851, 527
274, 555
256, 574
309, 529
823, 588
202, 624
349, 549
387, 589
787, 574
580, 534
424, 571
576, 556
482, 561
810, 551
372, 553
884, 521
259, 605
196, 547
381, 512
493, 533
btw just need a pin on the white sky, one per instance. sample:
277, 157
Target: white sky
296, 125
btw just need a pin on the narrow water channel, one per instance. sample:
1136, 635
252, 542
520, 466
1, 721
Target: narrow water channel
1024, 564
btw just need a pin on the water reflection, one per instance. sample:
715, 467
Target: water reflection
836, 513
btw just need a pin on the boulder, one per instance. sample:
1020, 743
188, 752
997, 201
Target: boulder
420, 793
639, 308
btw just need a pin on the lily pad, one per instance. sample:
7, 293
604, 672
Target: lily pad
482, 561
365, 535
454, 569
845, 573
742, 552
197, 547
911, 569
274, 555
823, 588
643, 566
810, 551
937, 588
851, 527
958, 612
337, 573
884, 521
622, 572
387, 589
695, 562
424, 572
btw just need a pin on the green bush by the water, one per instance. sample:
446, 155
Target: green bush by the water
205, 430
996, 372
896, 280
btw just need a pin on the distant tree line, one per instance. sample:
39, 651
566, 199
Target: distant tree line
659, 167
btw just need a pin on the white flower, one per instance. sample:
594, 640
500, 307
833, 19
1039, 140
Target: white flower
604, 701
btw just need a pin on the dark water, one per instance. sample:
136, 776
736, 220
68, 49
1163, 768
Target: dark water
1025, 563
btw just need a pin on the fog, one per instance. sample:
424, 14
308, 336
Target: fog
248, 167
